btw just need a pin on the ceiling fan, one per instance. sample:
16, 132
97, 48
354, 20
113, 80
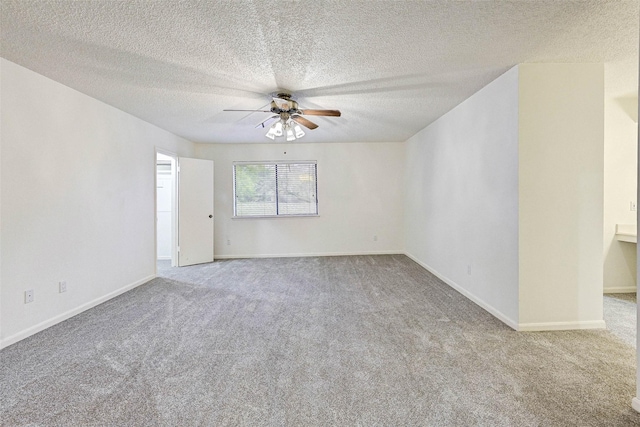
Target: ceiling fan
288, 116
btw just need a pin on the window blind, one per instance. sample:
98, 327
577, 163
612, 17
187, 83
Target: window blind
255, 190
275, 189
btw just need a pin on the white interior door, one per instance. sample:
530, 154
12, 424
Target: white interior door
195, 211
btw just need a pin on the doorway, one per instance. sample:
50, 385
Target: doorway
166, 208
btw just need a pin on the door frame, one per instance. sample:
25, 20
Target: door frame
174, 207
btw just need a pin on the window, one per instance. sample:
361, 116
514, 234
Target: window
275, 189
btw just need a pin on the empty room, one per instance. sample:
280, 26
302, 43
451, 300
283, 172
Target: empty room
318, 213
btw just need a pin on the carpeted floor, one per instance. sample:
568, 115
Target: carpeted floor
335, 341
620, 313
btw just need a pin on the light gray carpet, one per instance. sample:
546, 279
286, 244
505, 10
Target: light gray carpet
620, 313
337, 341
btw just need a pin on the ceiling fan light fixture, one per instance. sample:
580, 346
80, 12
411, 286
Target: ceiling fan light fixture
277, 128
287, 128
299, 132
290, 135
271, 134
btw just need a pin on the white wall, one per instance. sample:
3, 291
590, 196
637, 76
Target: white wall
1, 134
561, 136
461, 209
504, 196
636, 400
77, 191
359, 195
620, 176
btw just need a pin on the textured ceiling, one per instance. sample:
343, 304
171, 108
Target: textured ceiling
391, 67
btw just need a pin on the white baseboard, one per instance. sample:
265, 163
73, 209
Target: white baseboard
621, 290
306, 254
562, 326
635, 404
524, 327
68, 314
163, 258
492, 310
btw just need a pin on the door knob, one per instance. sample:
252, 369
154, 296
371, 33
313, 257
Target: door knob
210, 216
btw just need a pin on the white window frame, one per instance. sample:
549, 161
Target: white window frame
275, 163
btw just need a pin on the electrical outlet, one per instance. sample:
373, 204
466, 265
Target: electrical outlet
632, 206
28, 296
469, 270
375, 238
62, 286
228, 242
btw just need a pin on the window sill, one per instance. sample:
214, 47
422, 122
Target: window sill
275, 216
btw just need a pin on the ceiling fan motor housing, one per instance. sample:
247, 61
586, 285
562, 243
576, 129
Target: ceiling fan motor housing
284, 105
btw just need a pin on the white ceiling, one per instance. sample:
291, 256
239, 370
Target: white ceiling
391, 67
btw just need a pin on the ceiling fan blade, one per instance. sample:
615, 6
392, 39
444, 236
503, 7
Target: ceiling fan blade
264, 122
332, 113
253, 111
304, 122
